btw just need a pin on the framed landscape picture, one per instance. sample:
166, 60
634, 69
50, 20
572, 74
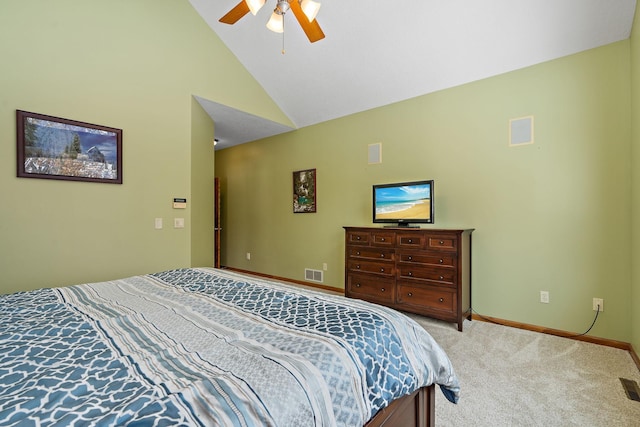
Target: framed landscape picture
55, 148
304, 191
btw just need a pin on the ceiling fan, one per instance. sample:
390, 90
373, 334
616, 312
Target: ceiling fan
304, 10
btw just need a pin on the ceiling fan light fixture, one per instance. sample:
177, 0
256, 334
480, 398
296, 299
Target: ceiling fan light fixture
310, 9
282, 7
276, 23
255, 5
305, 18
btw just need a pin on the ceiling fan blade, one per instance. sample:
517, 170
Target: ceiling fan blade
311, 29
235, 14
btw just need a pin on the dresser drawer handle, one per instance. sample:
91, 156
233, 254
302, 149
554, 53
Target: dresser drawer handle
410, 240
382, 239
357, 237
357, 285
410, 274
441, 300
358, 253
441, 278
358, 266
382, 270
441, 261
381, 255
442, 242
382, 289
409, 294
409, 258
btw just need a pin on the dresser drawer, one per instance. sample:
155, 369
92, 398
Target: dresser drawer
382, 268
358, 237
370, 253
440, 276
433, 298
430, 259
442, 243
410, 240
383, 238
370, 288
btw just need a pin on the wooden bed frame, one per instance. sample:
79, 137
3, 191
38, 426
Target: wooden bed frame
417, 409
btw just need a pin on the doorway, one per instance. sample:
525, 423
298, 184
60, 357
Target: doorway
217, 227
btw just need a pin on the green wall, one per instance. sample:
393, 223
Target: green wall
202, 178
635, 184
554, 215
133, 65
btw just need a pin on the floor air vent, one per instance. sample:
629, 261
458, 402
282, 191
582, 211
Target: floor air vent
631, 388
313, 275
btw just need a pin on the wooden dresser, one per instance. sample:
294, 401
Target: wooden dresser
419, 270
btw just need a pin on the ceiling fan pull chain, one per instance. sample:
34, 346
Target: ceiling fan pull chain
283, 34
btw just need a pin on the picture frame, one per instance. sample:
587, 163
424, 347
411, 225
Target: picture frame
56, 148
304, 191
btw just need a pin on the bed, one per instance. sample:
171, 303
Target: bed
206, 346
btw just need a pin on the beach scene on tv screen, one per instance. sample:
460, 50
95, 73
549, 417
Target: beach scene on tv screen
405, 202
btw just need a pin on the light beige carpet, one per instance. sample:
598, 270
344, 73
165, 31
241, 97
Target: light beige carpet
513, 377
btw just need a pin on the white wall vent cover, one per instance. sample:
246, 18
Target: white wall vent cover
313, 275
521, 131
375, 153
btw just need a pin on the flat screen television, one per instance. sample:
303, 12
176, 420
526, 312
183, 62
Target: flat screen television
403, 203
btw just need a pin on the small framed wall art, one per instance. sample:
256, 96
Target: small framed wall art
304, 191
55, 148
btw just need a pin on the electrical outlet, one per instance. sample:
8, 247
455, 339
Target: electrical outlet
598, 302
544, 297
324, 266
248, 256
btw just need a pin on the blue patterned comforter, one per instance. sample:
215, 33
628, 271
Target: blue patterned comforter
206, 347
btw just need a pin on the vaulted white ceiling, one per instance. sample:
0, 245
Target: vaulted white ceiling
376, 53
